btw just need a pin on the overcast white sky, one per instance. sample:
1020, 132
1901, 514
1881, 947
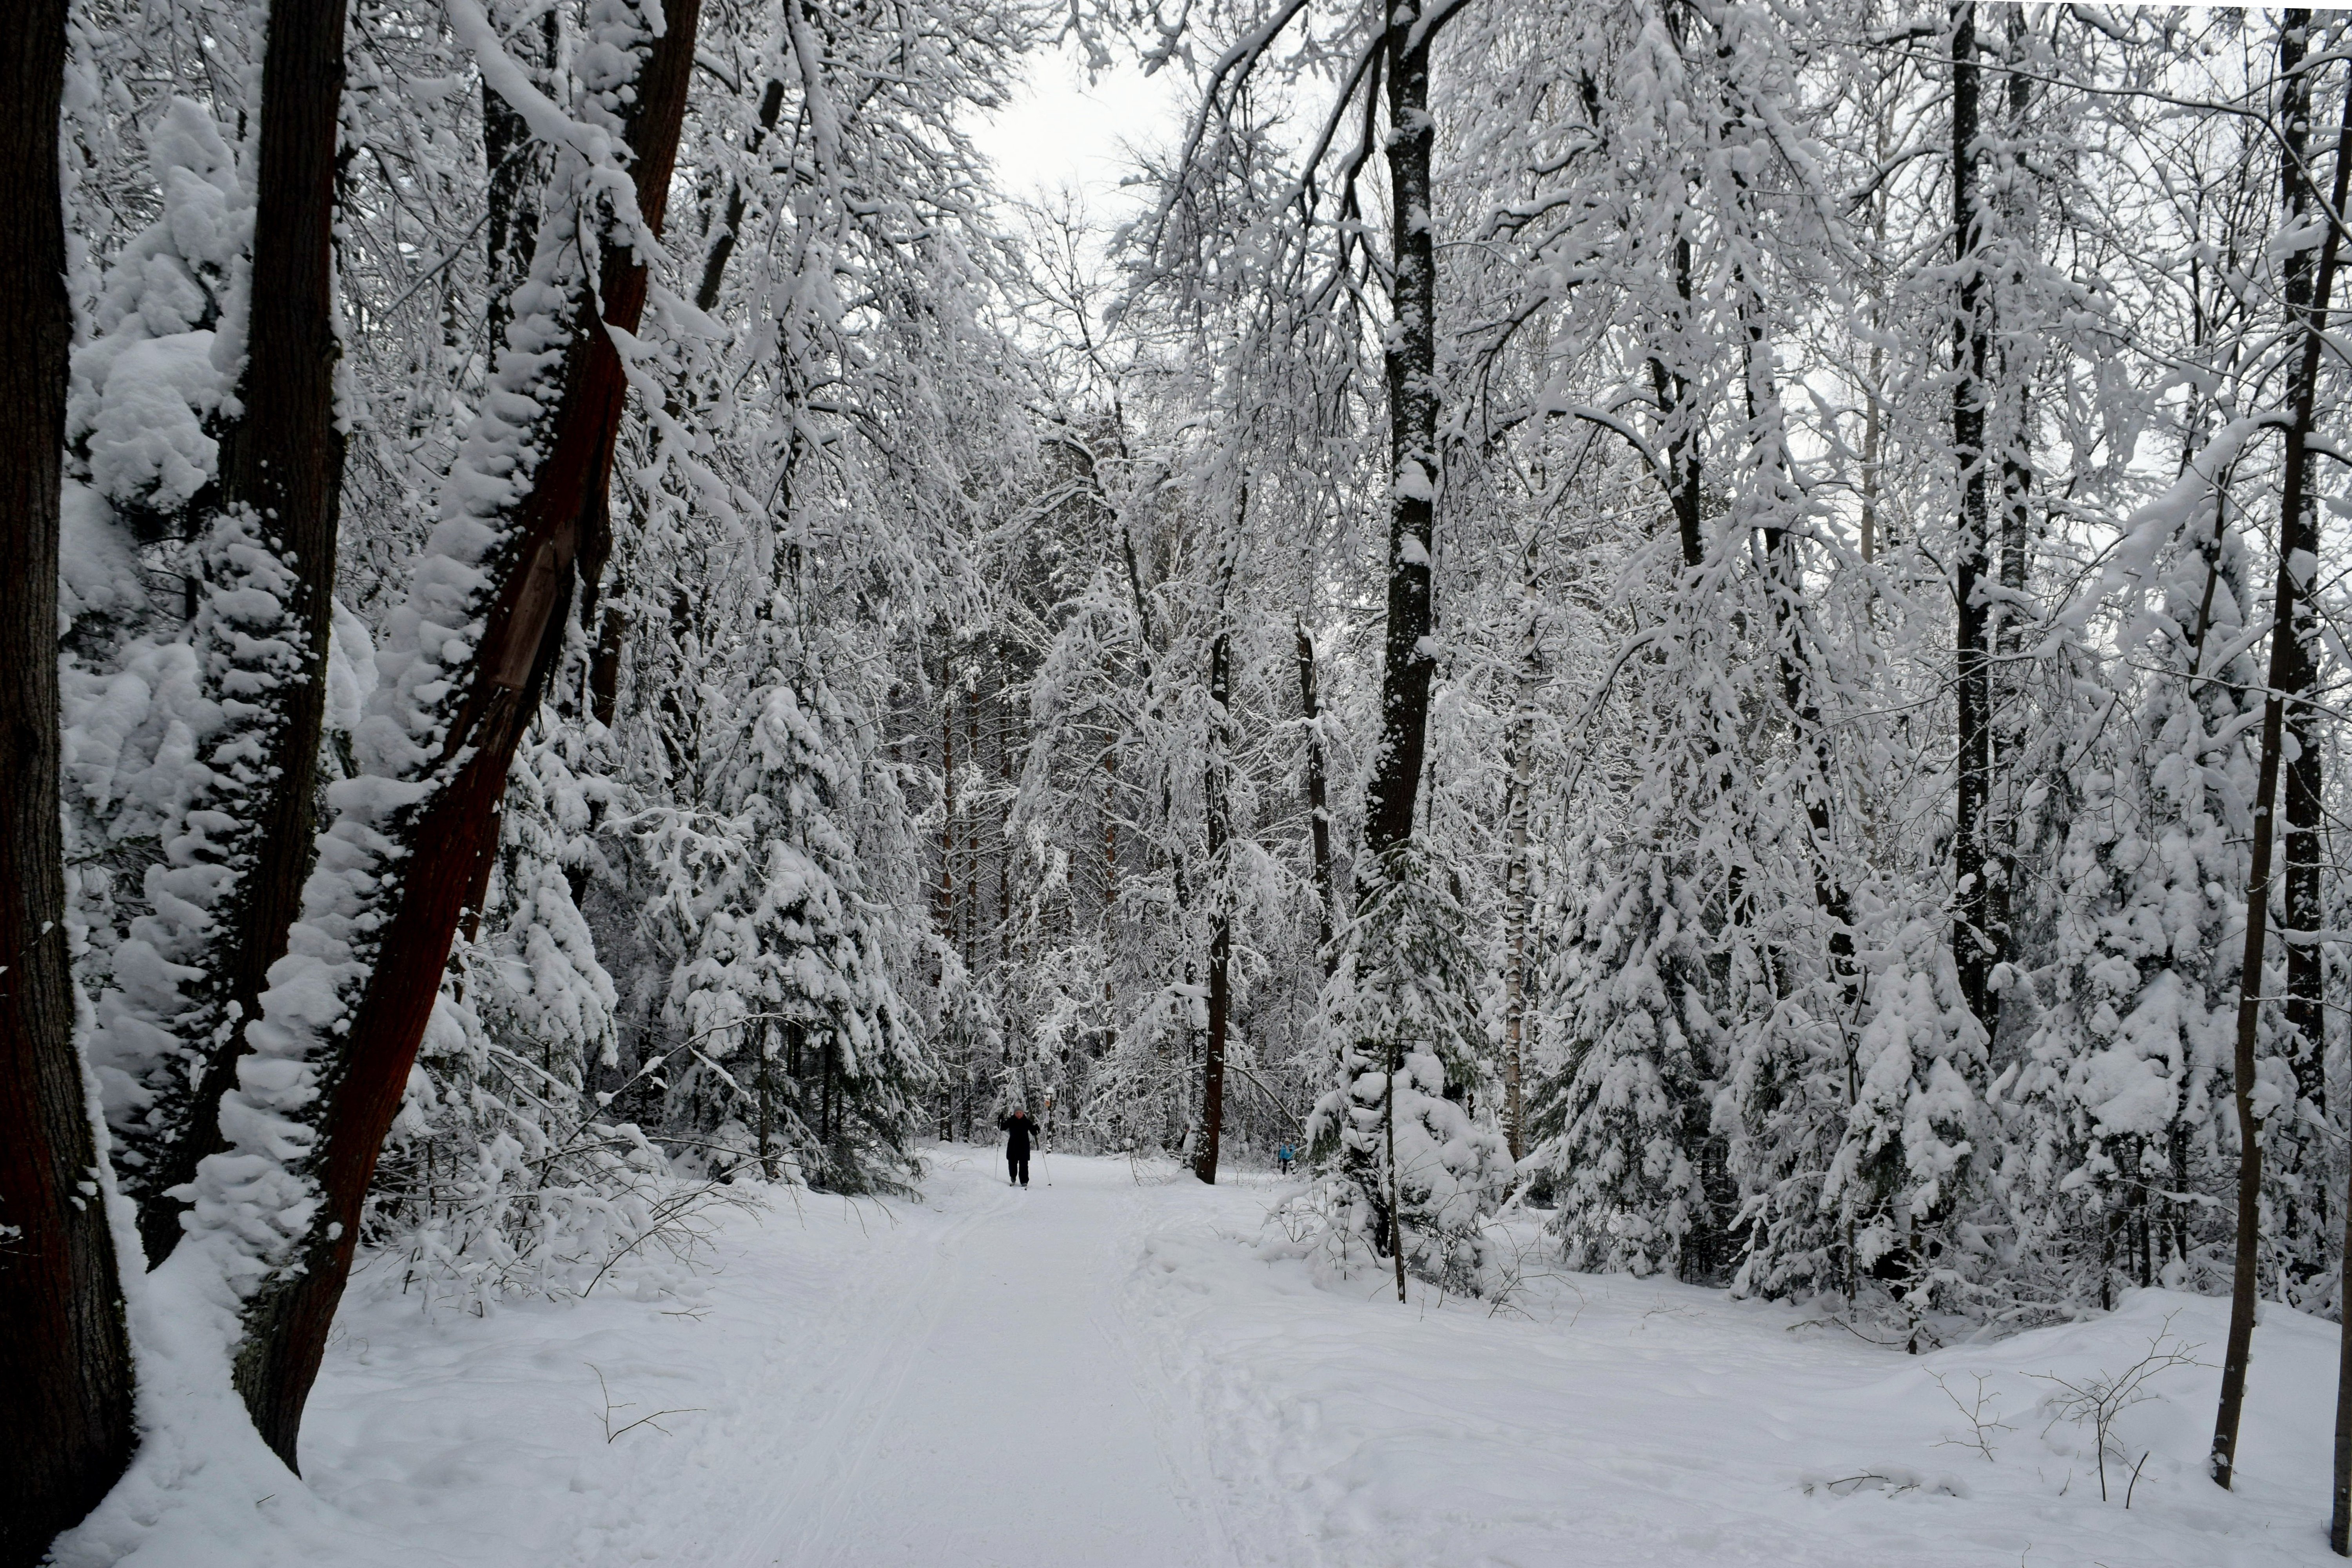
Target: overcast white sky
1062, 132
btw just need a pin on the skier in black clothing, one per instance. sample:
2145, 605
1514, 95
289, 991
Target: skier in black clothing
1019, 1128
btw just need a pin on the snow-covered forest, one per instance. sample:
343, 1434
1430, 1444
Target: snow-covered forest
1693, 647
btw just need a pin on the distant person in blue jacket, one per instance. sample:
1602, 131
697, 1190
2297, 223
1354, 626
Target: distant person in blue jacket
1284, 1156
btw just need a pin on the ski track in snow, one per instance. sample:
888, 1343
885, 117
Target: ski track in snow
1105, 1372
999, 1417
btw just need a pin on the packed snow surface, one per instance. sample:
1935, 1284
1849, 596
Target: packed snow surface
1125, 1368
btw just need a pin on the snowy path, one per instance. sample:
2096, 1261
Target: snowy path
998, 1412
1103, 1372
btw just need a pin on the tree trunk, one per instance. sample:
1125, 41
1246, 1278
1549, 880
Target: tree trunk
1408, 662
974, 909
420, 887
2308, 307
604, 666
65, 1362
1220, 927
2296, 678
1318, 806
948, 802
2005, 629
1975, 940
282, 464
1870, 442
1003, 729
1681, 423
767, 1102
516, 165
1519, 790
1110, 881
726, 230
2339, 1522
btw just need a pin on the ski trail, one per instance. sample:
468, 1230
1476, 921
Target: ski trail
995, 1408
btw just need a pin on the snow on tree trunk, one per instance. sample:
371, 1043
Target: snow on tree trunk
1976, 940
464, 667
267, 619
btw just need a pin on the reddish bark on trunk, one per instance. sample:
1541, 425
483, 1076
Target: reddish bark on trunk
558, 532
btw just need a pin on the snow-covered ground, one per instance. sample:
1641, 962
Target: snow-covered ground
1105, 1371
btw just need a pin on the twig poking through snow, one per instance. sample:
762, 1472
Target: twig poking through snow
611, 1433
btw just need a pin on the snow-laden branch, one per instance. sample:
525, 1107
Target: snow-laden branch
2131, 563
512, 83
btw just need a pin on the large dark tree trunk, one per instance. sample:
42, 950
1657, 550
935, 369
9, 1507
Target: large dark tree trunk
554, 526
1975, 936
2307, 309
2007, 627
1409, 661
64, 1363
283, 462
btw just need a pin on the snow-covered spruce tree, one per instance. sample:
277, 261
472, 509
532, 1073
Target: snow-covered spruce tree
1419, 1173
2114, 1132
1621, 1121
141, 707
799, 1049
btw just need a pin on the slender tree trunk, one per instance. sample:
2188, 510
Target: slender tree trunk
1680, 422
726, 230
65, 1362
1974, 938
1870, 442
492, 697
2006, 622
604, 666
2339, 1522
2304, 1223
1318, 806
1002, 728
767, 1102
2308, 307
1519, 791
2294, 674
1409, 659
1110, 883
1220, 927
974, 908
948, 802
1409, 662
1394, 1219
